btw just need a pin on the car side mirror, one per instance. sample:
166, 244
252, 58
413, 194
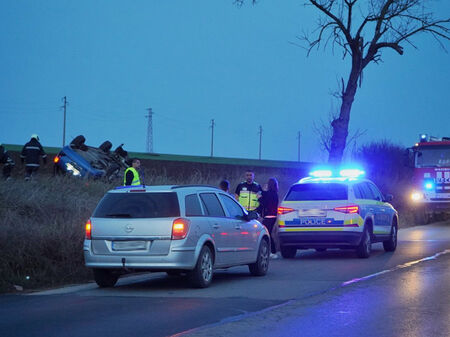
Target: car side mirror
388, 198
252, 215
408, 158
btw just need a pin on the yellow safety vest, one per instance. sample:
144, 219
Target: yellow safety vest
249, 200
136, 179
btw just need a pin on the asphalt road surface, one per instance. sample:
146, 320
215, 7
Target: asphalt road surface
333, 293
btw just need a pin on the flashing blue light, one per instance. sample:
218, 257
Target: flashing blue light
429, 186
351, 173
321, 173
423, 136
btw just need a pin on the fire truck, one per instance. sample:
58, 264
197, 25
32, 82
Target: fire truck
430, 159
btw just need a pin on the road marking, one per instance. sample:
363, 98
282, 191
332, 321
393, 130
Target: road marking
356, 280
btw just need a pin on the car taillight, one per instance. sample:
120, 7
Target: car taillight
352, 209
88, 229
180, 228
284, 210
56, 159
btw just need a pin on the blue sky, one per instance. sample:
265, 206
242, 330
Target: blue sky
193, 61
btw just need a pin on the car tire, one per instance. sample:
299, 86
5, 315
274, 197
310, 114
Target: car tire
260, 267
105, 278
321, 250
391, 244
365, 247
288, 252
201, 276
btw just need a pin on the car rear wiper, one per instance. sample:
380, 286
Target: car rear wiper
119, 215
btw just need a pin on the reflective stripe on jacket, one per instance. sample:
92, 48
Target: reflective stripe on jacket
136, 179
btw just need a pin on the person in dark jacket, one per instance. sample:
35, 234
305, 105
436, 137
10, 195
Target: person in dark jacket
31, 153
268, 206
7, 161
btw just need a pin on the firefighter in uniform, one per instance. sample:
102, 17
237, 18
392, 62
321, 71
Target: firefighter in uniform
30, 155
248, 192
7, 161
131, 175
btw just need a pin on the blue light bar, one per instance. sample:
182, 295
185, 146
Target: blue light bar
321, 173
351, 173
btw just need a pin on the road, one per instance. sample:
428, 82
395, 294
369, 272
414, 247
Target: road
405, 293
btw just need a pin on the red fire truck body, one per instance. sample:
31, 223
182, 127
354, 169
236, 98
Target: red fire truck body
431, 162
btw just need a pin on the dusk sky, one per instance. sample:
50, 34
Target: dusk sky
193, 61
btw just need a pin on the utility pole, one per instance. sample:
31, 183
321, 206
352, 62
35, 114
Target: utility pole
298, 137
64, 99
260, 140
150, 131
212, 137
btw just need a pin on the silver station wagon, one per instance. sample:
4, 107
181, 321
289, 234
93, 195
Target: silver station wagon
175, 229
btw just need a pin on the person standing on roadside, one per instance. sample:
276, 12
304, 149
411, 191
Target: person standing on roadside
268, 209
225, 186
248, 192
131, 176
7, 161
31, 153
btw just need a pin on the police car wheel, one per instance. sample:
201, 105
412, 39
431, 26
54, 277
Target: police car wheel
260, 267
288, 252
391, 244
364, 248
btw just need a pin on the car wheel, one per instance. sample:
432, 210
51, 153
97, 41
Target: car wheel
391, 244
321, 249
202, 274
105, 278
260, 267
364, 248
288, 252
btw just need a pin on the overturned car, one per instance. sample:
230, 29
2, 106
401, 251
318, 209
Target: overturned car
81, 160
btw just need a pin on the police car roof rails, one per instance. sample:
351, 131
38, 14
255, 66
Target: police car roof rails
193, 185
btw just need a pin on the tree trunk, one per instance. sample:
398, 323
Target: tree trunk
340, 124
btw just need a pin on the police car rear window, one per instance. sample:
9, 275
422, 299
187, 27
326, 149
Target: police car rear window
138, 205
320, 191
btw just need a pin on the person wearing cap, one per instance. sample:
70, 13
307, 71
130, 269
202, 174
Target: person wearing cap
7, 161
31, 153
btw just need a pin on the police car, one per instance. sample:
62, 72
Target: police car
344, 211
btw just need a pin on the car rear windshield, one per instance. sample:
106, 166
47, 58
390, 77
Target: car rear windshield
138, 205
320, 191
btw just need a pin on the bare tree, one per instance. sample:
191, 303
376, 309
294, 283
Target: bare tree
363, 29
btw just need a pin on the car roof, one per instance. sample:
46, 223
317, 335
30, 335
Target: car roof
165, 188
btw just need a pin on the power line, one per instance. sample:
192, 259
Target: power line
150, 131
212, 137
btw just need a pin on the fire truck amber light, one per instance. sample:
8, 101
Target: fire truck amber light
56, 160
416, 196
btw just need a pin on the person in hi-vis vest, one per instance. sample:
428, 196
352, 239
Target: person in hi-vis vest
131, 175
248, 192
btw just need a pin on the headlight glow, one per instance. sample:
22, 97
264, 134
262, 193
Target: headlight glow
416, 196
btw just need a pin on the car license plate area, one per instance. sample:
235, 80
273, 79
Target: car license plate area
313, 212
129, 245
314, 221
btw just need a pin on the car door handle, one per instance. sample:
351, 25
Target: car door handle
371, 209
215, 226
238, 227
